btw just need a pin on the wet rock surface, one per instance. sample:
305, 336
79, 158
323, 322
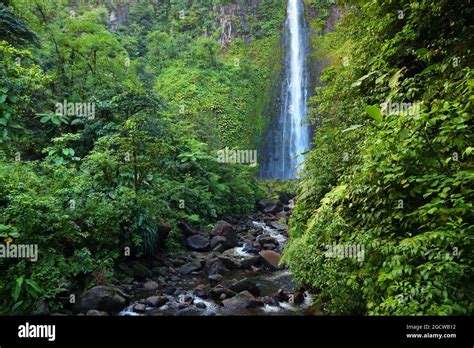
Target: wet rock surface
231, 269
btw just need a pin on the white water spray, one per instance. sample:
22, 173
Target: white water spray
290, 136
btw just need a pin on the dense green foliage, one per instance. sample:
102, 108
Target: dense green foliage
147, 91
396, 182
166, 95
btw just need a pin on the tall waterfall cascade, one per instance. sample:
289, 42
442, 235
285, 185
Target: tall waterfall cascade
289, 137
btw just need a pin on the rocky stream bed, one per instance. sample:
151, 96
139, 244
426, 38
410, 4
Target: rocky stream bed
229, 270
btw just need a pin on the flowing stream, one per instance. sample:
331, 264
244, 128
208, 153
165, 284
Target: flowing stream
269, 283
289, 137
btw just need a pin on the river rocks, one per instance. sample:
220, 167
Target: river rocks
249, 261
270, 301
226, 230
215, 266
215, 279
159, 271
140, 271
201, 305
282, 296
188, 229
197, 257
229, 261
285, 197
252, 248
270, 206
183, 305
278, 226
298, 296
282, 215
125, 269
270, 258
178, 262
197, 243
151, 285
245, 284
96, 313
219, 241
219, 248
103, 298
210, 257
190, 267
267, 239
201, 290
139, 308
184, 298
241, 301
128, 280
170, 290
219, 290
156, 301
187, 310
268, 242
222, 228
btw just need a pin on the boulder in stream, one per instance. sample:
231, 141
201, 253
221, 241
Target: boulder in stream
190, 267
215, 266
151, 285
270, 258
270, 206
245, 285
226, 230
139, 308
241, 301
219, 290
215, 279
201, 291
298, 296
252, 247
267, 239
222, 241
197, 243
156, 301
102, 298
229, 262
249, 261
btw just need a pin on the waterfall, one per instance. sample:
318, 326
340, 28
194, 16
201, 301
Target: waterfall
289, 137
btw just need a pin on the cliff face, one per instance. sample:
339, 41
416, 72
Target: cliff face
118, 15
336, 13
233, 21
229, 18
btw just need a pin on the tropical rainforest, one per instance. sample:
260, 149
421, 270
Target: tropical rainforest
112, 113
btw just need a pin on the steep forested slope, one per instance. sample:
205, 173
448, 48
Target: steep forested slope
111, 115
391, 170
